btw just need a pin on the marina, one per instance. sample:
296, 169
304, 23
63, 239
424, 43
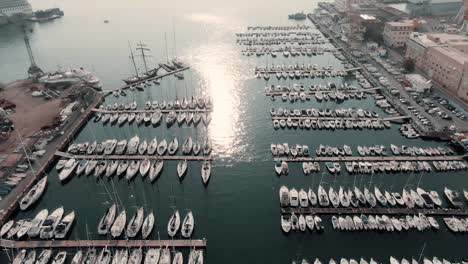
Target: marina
375, 211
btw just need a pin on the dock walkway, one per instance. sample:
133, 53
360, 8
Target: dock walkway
131, 157
375, 211
371, 158
200, 243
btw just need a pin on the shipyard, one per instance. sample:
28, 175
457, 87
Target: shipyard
130, 139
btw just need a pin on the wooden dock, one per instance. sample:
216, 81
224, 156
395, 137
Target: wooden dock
369, 158
106, 93
374, 211
324, 91
329, 118
97, 110
131, 157
199, 243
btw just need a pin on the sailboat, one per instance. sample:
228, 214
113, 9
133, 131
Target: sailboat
155, 169
181, 168
148, 224
188, 225
206, 171
174, 224
143, 76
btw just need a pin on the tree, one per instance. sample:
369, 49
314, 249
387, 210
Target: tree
2, 86
408, 65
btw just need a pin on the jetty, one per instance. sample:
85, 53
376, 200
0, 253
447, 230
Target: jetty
186, 243
131, 157
369, 158
388, 118
107, 92
375, 211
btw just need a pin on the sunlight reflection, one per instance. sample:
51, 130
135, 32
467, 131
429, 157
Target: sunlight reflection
218, 63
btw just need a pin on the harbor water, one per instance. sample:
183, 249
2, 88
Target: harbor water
238, 212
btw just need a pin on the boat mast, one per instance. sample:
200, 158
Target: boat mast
133, 59
165, 41
142, 48
173, 33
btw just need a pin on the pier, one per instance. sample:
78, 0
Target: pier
186, 243
18, 192
131, 157
389, 118
371, 158
375, 211
106, 93
323, 91
97, 110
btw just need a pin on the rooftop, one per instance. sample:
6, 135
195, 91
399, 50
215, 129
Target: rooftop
452, 45
403, 23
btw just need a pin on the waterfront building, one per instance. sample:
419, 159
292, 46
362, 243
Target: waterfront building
444, 58
15, 7
396, 34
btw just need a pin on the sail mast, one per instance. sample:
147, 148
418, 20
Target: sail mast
143, 48
133, 59
165, 41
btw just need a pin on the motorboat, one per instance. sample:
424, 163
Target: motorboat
51, 222
36, 224
64, 226
453, 197
293, 198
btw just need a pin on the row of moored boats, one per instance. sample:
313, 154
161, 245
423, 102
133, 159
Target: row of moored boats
355, 197
106, 256
55, 225
392, 260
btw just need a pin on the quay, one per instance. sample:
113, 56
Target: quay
371, 158
97, 110
131, 157
389, 118
186, 243
106, 93
375, 211
323, 91
18, 192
